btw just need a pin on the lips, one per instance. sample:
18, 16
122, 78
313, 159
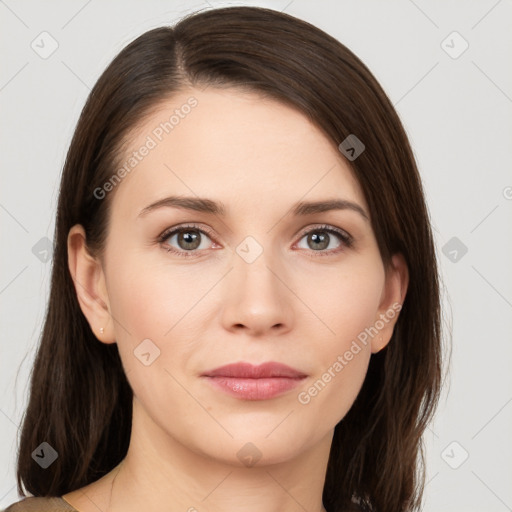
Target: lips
249, 371
248, 382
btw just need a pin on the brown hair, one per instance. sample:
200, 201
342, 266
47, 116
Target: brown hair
80, 400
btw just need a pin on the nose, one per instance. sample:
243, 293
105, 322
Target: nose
257, 297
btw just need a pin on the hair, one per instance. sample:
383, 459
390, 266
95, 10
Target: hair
80, 400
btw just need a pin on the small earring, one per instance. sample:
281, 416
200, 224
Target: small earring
101, 330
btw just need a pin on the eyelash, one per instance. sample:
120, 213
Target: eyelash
344, 237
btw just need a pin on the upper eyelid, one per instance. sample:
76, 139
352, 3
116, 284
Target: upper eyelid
176, 229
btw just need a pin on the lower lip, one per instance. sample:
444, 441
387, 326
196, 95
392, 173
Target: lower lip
255, 389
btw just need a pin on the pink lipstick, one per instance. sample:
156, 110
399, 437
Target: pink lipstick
248, 382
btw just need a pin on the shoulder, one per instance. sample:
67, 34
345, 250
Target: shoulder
40, 504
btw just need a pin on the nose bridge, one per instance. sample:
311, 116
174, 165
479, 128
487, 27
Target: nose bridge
257, 299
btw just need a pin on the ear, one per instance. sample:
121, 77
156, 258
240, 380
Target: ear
89, 280
393, 296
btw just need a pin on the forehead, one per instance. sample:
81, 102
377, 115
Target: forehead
244, 150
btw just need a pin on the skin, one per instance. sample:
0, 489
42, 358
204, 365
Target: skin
290, 305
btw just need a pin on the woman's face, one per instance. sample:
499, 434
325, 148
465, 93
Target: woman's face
255, 276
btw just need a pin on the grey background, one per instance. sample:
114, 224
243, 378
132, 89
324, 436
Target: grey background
457, 112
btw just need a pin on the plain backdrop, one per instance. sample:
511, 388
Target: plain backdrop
446, 67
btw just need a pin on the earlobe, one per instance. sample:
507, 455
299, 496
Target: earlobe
89, 280
393, 297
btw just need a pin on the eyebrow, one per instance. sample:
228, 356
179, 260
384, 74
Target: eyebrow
204, 205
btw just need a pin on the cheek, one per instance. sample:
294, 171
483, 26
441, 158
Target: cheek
149, 297
348, 308
333, 390
141, 307
346, 301
150, 316
158, 303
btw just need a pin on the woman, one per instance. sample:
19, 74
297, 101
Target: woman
244, 309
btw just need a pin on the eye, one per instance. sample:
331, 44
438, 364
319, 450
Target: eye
323, 237
188, 239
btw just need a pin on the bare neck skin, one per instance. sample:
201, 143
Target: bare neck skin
175, 479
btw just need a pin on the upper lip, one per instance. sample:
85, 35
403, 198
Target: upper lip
249, 371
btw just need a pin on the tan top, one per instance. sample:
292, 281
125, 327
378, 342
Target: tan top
38, 504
